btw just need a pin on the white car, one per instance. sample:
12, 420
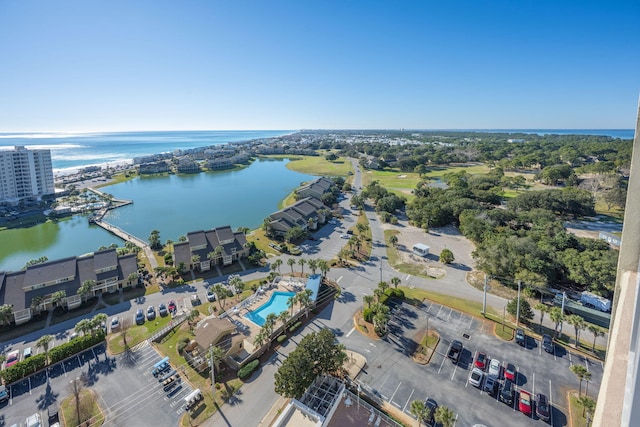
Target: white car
494, 368
475, 379
115, 324
344, 236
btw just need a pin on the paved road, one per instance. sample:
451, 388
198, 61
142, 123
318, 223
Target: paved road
355, 282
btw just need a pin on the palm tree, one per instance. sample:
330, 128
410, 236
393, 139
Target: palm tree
284, 317
218, 251
383, 286
542, 308
221, 293
35, 303
578, 323
395, 281
217, 354
588, 405
352, 242
83, 326
596, 331
302, 262
211, 256
86, 288
291, 262
557, 317
260, 338
324, 267
381, 320
368, 299
291, 302
195, 260
445, 416
43, 343
393, 240
304, 298
580, 372
419, 410
587, 378
313, 265
277, 263
58, 296
98, 320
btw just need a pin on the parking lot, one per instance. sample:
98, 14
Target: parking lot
392, 376
127, 391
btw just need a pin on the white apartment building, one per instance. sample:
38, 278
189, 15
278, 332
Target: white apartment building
25, 173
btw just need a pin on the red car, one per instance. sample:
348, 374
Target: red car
172, 306
481, 360
524, 403
510, 372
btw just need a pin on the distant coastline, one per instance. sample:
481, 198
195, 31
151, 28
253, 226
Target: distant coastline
71, 152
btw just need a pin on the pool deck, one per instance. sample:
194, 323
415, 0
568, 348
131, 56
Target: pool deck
258, 299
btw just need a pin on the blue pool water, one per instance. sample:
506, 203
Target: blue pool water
277, 304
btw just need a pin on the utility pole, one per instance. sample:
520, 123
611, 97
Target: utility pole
213, 370
564, 297
518, 307
484, 299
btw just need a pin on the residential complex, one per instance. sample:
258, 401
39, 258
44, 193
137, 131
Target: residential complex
203, 250
25, 173
32, 290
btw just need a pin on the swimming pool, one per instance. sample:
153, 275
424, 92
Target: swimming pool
277, 304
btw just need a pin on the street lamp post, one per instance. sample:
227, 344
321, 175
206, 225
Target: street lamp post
484, 298
518, 306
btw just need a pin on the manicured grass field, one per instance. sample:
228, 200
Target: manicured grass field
316, 165
470, 307
136, 333
89, 410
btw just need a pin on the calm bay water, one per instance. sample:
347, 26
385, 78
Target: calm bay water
174, 205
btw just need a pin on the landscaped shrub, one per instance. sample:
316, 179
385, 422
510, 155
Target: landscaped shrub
295, 326
395, 293
367, 314
168, 259
23, 369
75, 346
248, 369
281, 338
182, 343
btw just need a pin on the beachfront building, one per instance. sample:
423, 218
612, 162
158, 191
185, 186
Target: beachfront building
306, 214
25, 173
203, 250
39, 286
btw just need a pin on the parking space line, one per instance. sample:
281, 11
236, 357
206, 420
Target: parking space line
570, 362
339, 278
394, 393
449, 315
350, 332
442, 364
408, 400
454, 372
470, 322
437, 315
586, 362
64, 369
550, 403
29, 384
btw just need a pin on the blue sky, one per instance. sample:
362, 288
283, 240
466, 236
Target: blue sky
155, 65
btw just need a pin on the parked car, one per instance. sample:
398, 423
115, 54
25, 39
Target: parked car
510, 372
481, 360
211, 296
494, 368
13, 357
27, 352
491, 385
521, 338
547, 343
542, 407
344, 236
172, 307
162, 310
151, 312
115, 324
4, 396
475, 379
506, 394
524, 403
432, 406
139, 317
33, 420
195, 300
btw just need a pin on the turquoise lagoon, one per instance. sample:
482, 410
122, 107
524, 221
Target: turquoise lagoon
171, 204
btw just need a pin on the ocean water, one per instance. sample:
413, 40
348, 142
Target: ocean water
69, 151
613, 133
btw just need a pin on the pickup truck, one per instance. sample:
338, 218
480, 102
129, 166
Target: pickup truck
454, 351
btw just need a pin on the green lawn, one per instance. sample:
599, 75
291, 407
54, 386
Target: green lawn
577, 419
317, 165
470, 307
136, 334
91, 410
473, 170
392, 179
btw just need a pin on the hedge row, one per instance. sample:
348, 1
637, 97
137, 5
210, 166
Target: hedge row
295, 326
37, 362
248, 369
